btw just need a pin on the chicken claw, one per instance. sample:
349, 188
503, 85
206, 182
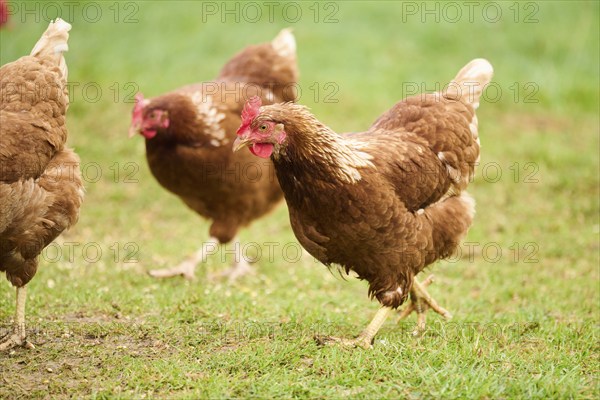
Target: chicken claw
188, 267
17, 339
237, 270
420, 302
365, 339
344, 342
19, 336
185, 269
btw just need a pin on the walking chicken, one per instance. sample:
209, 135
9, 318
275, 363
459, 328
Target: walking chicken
189, 135
40, 184
384, 203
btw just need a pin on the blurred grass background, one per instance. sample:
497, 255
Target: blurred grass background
526, 321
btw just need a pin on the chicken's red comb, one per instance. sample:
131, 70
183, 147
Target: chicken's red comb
3, 12
137, 115
138, 109
250, 111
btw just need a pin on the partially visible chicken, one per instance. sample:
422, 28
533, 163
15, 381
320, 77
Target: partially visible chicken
3, 13
40, 184
384, 203
189, 133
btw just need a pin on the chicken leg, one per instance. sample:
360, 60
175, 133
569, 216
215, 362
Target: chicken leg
19, 336
420, 302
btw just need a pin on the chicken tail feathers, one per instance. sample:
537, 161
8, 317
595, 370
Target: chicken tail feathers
470, 82
54, 43
285, 43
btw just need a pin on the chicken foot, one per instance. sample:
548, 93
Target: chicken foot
420, 302
19, 336
239, 268
365, 338
187, 268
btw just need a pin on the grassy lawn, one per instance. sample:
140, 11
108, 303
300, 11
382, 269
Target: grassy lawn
524, 289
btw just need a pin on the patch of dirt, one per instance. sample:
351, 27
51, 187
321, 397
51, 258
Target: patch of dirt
76, 354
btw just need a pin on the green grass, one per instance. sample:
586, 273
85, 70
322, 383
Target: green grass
525, 325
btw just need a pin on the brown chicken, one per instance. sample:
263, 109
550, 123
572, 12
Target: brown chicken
40, 184
189, 135
384, 203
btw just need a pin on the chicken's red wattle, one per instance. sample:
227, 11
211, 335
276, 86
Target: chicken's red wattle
263, 150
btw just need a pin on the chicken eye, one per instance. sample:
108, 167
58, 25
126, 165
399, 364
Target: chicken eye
263, 127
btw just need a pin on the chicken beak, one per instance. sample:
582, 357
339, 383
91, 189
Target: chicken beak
133, 129
241, 142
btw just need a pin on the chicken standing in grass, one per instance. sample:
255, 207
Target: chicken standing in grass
384, 203
189, 136
40, 184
